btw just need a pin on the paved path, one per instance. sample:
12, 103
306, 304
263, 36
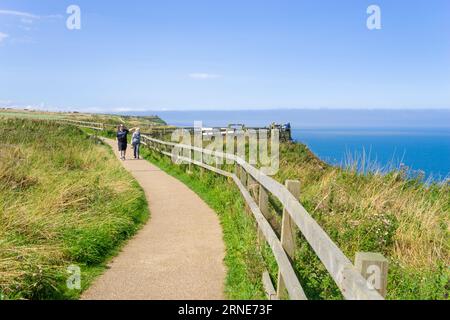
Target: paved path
177, 255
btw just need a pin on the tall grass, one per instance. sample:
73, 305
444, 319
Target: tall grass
363, 207
64, 199
376, 209
367, 208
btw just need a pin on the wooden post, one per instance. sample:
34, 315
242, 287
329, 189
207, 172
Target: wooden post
244, 176
374, 268
268, 286
288, 233
263, 204
218, 162
251, 185
189, 170
202, 170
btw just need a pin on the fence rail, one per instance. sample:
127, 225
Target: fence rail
349, 280
247, 178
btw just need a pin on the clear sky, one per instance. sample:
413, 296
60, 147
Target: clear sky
227, 54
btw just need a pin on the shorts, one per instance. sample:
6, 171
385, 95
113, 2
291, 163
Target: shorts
122, 146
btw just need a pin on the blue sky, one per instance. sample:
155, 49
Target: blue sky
210, 54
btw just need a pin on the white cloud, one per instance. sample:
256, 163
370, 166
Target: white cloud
27, 17
26, 20
19, 14
3, 36
204, 76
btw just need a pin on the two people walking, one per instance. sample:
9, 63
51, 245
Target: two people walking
122, 140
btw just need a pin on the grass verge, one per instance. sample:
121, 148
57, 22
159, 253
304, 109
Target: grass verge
64, 200
242, 259
401, 217
387, 212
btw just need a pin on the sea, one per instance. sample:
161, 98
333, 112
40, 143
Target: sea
416, 140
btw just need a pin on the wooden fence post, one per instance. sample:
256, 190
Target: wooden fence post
264, 201
244, 176
189, 169
218, 162
288, 233
374, 268
268, 286
202, 170
251, 187
263, 204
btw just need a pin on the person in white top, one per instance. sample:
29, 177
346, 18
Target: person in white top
136, 142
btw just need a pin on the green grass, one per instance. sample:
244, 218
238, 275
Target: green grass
29, 115
404, 219
111, 119
243, 261
64, 200
245, 258
381, 211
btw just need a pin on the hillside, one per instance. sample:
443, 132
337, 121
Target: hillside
65, 200
113, 119
405, 220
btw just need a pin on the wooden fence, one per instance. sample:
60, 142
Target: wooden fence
348, 278
255, 187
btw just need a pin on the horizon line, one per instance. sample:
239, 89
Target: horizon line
126, 110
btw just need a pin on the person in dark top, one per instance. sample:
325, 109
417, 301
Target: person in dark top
122, 135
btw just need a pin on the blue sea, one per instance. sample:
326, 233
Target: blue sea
417, 139
419, 149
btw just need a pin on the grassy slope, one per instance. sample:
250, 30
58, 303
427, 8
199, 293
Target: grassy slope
64, 199
405, 220
130, 121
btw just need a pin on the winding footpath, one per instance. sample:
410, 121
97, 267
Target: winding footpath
177, 255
